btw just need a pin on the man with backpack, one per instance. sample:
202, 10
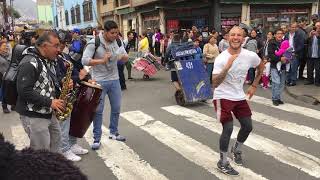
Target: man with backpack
103, 57
36, 87
77, 45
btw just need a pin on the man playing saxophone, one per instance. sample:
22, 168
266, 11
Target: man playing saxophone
68, 77
36, 87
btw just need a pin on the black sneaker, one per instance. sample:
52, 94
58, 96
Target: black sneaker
275, 102
6, 110
280, 102
227, 169
237, 158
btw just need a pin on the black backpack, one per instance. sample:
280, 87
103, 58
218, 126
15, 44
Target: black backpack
10, 77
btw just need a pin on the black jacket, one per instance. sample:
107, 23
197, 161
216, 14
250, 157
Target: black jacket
310, 41
298, 42
35, 89
272, 47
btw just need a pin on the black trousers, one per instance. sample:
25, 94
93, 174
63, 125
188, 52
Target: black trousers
121, 76
157, 49
303, 62
313, 64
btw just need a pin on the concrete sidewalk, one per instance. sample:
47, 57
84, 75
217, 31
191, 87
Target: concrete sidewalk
305, 93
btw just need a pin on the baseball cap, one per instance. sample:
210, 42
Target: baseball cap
76, 30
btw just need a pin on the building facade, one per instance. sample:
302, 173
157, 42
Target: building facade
71, 14
45, 12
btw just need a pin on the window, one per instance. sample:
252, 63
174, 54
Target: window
104, 2
124, 2
73, 16
78, 18
87, 11
66, 13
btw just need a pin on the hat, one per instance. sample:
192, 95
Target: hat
314, 16
76, 30
149, 28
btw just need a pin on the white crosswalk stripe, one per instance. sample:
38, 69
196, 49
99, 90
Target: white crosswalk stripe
186, 146
287, 155
20, 138
126, 163
288, 107
122, 160
299, 130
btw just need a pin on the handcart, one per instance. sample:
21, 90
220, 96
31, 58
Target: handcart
192, 75
148, 64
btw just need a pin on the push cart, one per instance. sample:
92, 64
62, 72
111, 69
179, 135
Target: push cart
192, 76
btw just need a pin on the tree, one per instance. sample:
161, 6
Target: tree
13, 12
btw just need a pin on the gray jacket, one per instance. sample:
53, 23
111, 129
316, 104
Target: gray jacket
4, 64
102, 72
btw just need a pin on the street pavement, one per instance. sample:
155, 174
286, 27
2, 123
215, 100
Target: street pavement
167, 141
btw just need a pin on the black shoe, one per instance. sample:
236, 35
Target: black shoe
227, 169
6, 110
13, 108
123, 88
275, 102
130, 78
237, 158
292, 84
308, 83
280, 102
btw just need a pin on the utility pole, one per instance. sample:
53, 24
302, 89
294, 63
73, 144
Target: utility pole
5, 14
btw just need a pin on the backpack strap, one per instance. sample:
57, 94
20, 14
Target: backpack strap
96, 45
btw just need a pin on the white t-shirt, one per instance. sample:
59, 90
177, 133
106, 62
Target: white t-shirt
232, 87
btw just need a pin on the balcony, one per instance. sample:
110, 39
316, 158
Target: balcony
119, 4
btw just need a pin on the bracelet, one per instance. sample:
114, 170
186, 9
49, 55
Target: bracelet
254, 86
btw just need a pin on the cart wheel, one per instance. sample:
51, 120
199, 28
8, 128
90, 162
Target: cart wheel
180, 98
146, 76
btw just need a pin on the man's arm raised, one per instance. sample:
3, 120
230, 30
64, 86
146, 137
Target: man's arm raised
217, 79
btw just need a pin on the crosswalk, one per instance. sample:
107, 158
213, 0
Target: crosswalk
126, 162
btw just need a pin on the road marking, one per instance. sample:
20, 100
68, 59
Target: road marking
20, 137
290, 127
283, 125
189, 148
284, 154
285, 107
122, 160
288, 107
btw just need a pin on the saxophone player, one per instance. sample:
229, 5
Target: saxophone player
37, 91
69, 147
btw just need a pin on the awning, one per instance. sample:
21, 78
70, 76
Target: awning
124, 10
267, 1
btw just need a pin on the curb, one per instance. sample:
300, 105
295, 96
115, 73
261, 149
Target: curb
304, 97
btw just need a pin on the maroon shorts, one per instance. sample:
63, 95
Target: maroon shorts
224, 107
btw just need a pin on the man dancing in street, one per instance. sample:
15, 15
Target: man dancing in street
228, 76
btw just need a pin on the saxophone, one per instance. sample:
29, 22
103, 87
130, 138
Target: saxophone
67, 94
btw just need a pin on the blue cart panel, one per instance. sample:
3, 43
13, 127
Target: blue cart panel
194, 80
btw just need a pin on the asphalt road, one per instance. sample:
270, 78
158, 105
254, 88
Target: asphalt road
166, 141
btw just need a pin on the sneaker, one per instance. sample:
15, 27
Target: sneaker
76, 149
71, 156
275, 102
6, 110
117, 137
237, 157
96, 145
227, 169
280, 102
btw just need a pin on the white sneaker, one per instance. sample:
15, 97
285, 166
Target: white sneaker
76, 149
71, 156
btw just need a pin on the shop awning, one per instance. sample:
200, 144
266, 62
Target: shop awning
267, 1
124, 11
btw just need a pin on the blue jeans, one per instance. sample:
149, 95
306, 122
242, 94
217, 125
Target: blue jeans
278, 82
66, 140
209, 70
113, 90
293, 72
